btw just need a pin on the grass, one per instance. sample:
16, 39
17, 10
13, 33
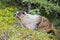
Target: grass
9, 32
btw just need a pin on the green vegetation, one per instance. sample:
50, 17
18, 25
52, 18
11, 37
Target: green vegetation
7, 19
48, 9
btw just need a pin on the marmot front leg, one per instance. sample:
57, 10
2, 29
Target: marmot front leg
18, 23
21, 24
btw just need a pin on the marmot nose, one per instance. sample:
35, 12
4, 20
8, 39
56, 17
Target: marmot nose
15, 14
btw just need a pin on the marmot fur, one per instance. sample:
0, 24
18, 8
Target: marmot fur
35, 22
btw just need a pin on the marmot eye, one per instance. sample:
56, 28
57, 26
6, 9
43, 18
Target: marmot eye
23, 13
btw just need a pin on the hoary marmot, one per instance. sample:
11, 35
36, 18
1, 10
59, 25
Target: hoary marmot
34, 22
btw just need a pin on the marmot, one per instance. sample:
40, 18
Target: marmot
34, 22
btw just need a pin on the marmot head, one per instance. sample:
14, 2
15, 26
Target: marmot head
20, 14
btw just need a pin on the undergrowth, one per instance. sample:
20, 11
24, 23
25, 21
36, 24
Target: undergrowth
9, 32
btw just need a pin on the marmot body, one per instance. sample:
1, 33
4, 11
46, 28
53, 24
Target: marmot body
34, 22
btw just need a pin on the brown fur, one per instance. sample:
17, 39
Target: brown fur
46, 26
